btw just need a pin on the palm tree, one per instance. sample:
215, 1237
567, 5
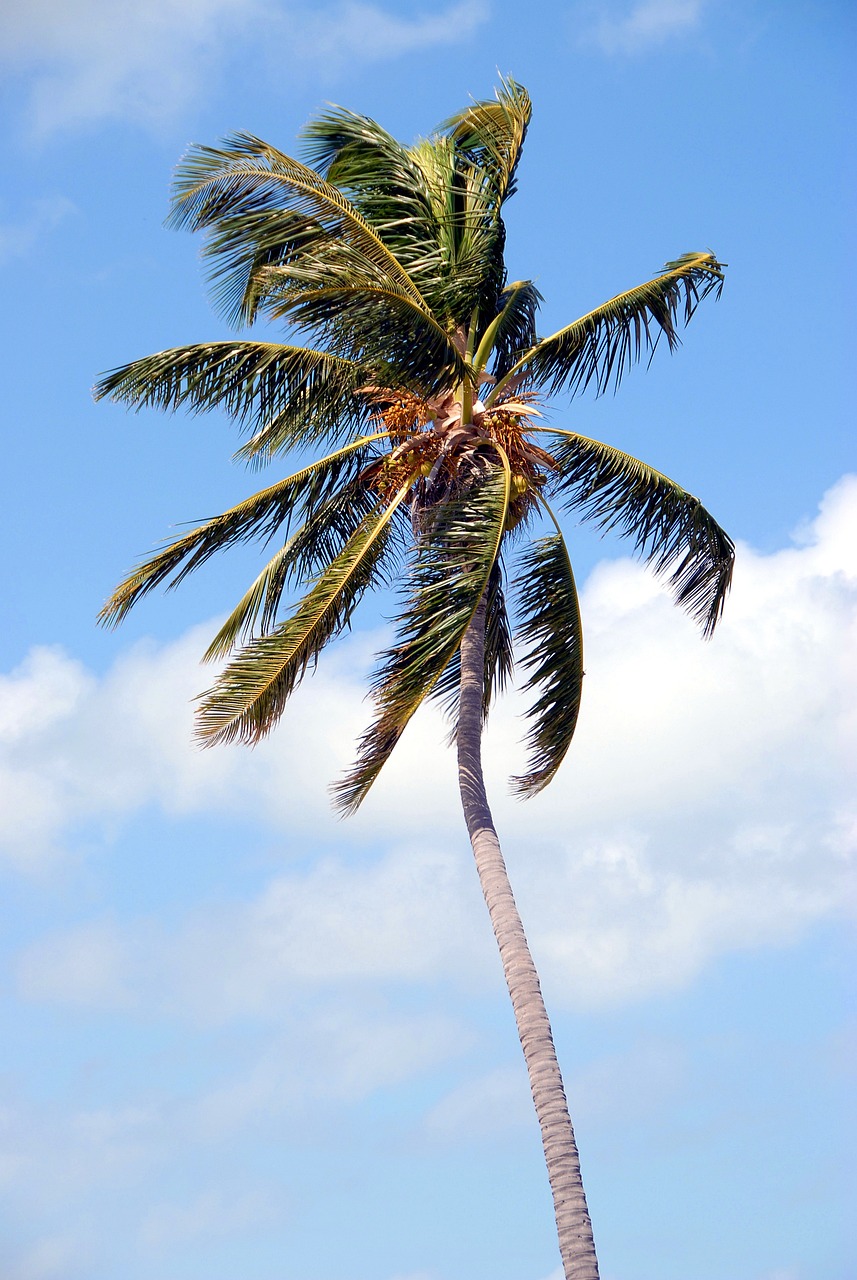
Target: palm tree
423, 379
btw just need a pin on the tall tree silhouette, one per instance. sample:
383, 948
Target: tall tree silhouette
421, 390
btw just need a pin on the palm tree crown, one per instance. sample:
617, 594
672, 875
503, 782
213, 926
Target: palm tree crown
425, 375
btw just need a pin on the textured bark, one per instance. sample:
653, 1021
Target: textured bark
576, 1245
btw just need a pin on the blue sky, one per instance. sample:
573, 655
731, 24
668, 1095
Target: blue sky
240, 1038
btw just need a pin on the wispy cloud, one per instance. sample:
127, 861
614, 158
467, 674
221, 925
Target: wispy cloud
87, 61
624, 29
338, 1053
55, 1257
213, 1212
481, 1107
19, 235
365, 33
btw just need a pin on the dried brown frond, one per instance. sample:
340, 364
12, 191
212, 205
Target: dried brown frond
400, 412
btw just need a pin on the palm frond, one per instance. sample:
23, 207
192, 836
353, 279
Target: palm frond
469, 230
259, 516
492, 133
352, 151
670, 528
379, 325
252, 198
259, 603
480, 238
380, 178
251, 381
551, 635
449, 575
602, 345
251, 692
512, 330
329, 527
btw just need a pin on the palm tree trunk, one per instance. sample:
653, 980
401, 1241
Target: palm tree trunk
574, 1228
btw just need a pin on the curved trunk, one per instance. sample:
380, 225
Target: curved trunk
574, 1228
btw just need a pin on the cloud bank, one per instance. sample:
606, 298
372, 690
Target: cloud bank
705, 808
706, 805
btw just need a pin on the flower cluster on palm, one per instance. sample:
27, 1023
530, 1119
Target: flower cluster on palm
423, 379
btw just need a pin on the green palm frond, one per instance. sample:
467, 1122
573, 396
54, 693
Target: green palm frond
240, 247
381, 180
354, 152
435, 160
469, 231
499, 653
437, 214
252, 197
551, 635
499, 657
259, 516
453, 564
330, 526
512, 330
600, 346
492, 133
671, 529
251, 381
259, 604
479, 240
377, 324
251, 692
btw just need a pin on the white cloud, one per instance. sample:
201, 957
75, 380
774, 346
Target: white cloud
706, 805
621, 1091
642, 26
411, 916
92, 60
74, 749
64, 1155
